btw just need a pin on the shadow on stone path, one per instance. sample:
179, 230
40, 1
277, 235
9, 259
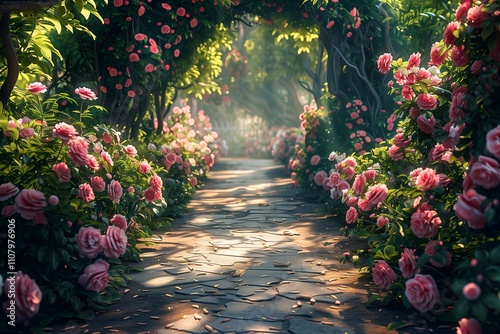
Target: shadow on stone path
247, 258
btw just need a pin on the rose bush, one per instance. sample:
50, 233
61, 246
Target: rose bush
432, 217
78, 196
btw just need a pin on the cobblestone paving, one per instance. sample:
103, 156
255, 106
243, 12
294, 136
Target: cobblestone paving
247, 258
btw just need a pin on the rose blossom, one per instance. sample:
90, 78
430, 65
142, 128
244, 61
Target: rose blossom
95, 276
422, 292
130, 150
370, 174
78, 151
29, 203
40, 219
315, 160
7, 190
152, 194
461, 12
471, 291
395, 153
85, 192
401, 141
97, 183
485, 172
62, 171
8, 211
144, 167
88, 240
156, 182
448, 37
438, 54
426, 125
27, 296
468, 208
460, 56
86, 93
476, 16
319, 177
425, 223
413, 61
351, 215
119, 221
375, 194
114, 243
382, 221
408, 263
64, 131
469, 326
493, 141
115, 191
53, 200
384, 63
107, 158
383, 275
427, 101
36, 88
359, 184
427, 179
27, 133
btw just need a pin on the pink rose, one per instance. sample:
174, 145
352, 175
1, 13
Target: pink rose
40, 219
27, 296
413, 61
448, 37
375, 194
485, 172
469, 326
62, 171
78, 151
315, 160
460, 56
343, 185
370, 174
95, 276
156, 182
438, 54
382, 221
432, 248
458, 105
476, 16
408, 263
193, 181
92, 163
27, 133
351, 215
384, 63
193, 23
476, 67
88, 240
119, 221
152, 194
319, 177
426, 125
114, 243
97, 183
383, 275
107, 158
427, 179
8, 211
7, 190
471, 291
493, 141
425, 223
85, 192
401, 141
461, 12
29, 203
396, 153
144, 167
85, 93
334, 178
64, 131
53, 200
115, 191
468, 208
359, 184
36, 88
422, 292
180, 11
427, 101
130, 150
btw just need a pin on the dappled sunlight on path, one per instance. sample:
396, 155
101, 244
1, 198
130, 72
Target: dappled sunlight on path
247, 258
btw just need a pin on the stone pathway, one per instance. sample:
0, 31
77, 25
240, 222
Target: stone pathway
248, 258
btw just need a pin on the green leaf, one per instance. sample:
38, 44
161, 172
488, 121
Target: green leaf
396, 325
53, 260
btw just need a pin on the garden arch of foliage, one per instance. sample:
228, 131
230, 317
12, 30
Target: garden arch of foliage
84, 171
